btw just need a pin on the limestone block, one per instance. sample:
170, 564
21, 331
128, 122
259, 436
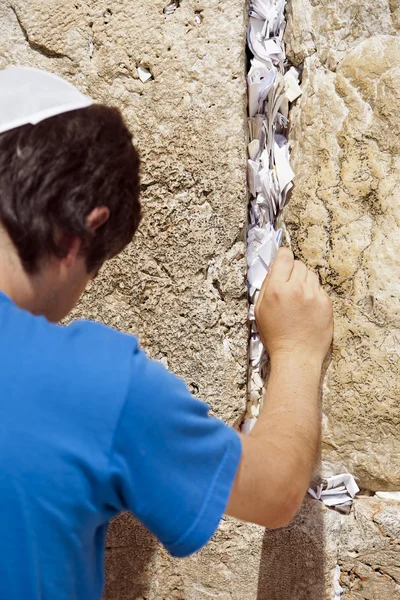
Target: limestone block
344, 218
227, 569
369, 551
330, 29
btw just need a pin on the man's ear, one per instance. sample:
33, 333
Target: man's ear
97, 217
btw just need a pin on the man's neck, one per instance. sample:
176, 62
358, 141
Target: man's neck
15, 282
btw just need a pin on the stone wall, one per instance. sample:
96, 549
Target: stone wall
344, 219
181, 285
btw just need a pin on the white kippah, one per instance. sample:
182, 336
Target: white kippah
30, 95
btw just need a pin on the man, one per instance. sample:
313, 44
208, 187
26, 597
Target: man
89, 425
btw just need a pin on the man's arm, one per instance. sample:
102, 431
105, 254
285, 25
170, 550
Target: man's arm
295, 321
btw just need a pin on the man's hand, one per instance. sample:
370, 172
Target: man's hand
293, 313
294, 317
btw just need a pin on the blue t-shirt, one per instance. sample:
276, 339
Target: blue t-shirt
89, 427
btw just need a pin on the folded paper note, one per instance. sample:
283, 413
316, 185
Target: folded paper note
144, 74
338, 490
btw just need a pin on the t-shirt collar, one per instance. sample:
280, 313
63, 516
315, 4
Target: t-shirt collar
4, 297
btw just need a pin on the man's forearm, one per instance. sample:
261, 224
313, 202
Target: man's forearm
285, 442
288, 428
295, 320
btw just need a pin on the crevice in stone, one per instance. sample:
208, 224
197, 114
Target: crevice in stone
384, 574
39, 48
268, 128
217, 286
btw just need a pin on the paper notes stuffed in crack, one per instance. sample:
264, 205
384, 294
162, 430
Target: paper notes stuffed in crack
272, 85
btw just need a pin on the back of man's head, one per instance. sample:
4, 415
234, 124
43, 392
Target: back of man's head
54, 173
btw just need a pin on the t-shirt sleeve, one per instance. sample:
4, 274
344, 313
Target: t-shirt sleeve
173, 465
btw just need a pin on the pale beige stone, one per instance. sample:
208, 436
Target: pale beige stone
330, 29
344, 219
369, 551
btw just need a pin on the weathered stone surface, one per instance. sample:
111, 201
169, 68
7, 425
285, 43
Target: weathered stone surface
227, 569
330, 29
344, 217
243, 562
298, 561
369, 551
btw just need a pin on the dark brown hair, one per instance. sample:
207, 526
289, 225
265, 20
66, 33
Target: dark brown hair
53, 174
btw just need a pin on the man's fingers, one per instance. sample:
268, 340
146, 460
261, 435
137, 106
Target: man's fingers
282, 266
299, 272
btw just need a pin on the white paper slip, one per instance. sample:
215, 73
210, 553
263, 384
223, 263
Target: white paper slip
336, 500
144, 74
293, 89
262, 72
267, 82
257, 273
256, 350
248, 425
263, 49
346, 479
272, 47
338, 490
254, 94
253, 149
284, 171
267, 251
270, 11
171, 8
253, 177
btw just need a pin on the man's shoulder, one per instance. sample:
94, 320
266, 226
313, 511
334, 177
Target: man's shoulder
85, 332
76, 377
98, 357
81, 335
83, 351
93, 349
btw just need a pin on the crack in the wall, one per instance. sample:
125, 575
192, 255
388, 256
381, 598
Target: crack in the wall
272, 84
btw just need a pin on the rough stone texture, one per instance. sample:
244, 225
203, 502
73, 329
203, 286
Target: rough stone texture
244, 563
227, 569
330, 28
299, 560
344, 218
369, 551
